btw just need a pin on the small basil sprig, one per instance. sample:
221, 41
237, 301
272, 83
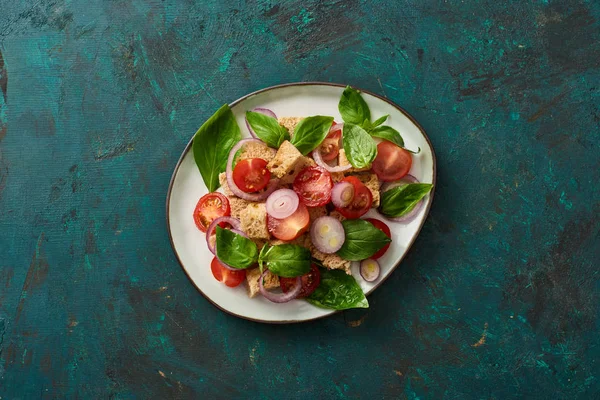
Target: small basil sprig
353, 108
310, 132
360, 148
400, 200
267, 129
212, 143
362, 240
338, 291
235, 250
286, 260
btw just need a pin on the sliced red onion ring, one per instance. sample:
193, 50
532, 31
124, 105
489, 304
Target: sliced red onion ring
235, 223
239, 233
264, 111
369, 269
406, 218
342, 194
327, 234
319, 160
282, 203
231, 183
279, 297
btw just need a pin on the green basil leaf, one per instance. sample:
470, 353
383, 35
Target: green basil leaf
235, 250
285, 260
338, 291
402, 199
379, 121
388, 133
267, 129
362, 240
353, 108
310, 132
212, 144
359, 146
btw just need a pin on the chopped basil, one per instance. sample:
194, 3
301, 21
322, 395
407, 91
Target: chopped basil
286, 260
362, 240
310, 132
353, 108
402, 199
235, 250
212, 144
338, 291
360, 148
267, 129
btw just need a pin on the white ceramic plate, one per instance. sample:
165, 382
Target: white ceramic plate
187, 186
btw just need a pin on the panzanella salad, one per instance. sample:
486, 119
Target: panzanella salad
287, 218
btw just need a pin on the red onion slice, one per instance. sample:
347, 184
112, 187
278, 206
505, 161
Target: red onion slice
337, 127
239, 233
319, 160
231, 183
264, 111
410, 216
342, 194
279, 297
369, 270
282, 203
327, 234
235, 223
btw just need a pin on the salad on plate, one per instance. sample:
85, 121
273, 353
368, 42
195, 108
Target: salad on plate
285, 211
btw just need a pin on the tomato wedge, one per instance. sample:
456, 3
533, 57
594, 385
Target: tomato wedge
330, 147
291, 227
228, 277
210, 207
392, 162
310, 282
313, 185
362, 200
383, 228
251, 174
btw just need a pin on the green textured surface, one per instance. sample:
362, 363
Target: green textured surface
498, 297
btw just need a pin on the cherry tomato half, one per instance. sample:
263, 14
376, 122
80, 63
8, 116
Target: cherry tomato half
291, 227
392, 162
363, 198
331, 145
313, 185
383, 228
310, 282
226, 276
210, 207
251, 174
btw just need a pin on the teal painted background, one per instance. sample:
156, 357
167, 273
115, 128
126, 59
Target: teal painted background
498, 298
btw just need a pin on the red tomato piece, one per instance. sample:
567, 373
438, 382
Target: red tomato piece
362, 200
251, 174
228, 277
392, 162
313, 185
310, 282
291, 227
210, 207
383, 228
330, 147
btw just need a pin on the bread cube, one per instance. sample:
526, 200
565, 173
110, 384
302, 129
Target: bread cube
252, 275
288, 162
254, 221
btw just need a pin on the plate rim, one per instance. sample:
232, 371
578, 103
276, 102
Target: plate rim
284, 85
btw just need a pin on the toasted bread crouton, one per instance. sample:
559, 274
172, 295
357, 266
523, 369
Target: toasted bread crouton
252, 275
337, 216
254, 221
316, 212
330, 261
238, 205
289, 123
288, 162
337, 176
372, 183
343, 160
257, 150
224, 185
